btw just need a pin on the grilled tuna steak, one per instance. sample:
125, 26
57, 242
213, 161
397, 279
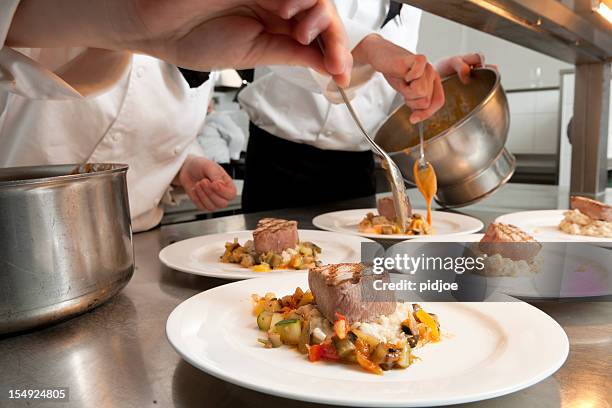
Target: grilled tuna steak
386, 208
592, 208
345, 289
509, 242
275, 235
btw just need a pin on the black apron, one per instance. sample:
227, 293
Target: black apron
284, 174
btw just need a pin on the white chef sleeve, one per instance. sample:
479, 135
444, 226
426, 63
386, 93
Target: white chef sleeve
320, 83
195, 148
90, 71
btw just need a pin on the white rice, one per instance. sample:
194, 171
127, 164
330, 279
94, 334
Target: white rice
577, 223
387, 328
497, 266
288, 254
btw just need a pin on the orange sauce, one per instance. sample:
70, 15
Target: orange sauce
427, 183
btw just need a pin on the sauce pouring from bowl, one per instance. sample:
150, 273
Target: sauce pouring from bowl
424, 175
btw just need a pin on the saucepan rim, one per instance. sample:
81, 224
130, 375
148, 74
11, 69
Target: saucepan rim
494, 89
113, 168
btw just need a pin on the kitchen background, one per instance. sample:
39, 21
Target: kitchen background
540, 92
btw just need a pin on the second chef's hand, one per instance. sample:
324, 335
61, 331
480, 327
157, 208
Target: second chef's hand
462, 66
201, 35
409, 74
206, 183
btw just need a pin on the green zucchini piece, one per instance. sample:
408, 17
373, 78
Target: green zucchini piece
290, 330
263, 320
275, 339
405, 357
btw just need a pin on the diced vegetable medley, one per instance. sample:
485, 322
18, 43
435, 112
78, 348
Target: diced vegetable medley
295, 321
378, 224
304, 256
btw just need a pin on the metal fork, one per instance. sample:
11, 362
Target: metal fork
393, 173
422, 161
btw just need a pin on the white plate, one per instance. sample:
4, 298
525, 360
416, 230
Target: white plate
200, 255
544, 225
577, 271
444, 223
490, 349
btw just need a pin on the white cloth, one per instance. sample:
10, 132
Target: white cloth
222, 139
54, 107
288, 101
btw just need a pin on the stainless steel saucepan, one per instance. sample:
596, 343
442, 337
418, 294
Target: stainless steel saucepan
464, 141
65, 242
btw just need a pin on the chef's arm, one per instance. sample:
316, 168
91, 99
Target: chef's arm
64, 23
186, 32
317, 81
409, 74
90, 71
204, 181
461, 65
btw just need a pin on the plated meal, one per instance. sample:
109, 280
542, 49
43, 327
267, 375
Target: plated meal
358, 222
333, 321
510, 252
385, 222
587, 220
486, 350
275, 245
587, 217
202, 255
540, 269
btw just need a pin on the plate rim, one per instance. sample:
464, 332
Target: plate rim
562, 235
176, 316
395, 237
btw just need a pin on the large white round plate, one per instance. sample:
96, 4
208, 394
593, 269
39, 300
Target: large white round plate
544, 225
567, 272
490, 349
200, 255
444, 223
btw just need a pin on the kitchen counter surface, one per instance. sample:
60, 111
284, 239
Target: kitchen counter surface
118, 355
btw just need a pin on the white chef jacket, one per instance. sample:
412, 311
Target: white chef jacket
222, 139
288, 101
146, 111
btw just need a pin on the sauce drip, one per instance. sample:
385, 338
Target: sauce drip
427, 183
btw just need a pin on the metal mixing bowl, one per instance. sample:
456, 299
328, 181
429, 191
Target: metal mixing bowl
464, 140
65, 242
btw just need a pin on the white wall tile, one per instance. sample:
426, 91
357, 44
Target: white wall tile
534, 122
522, 102
547, 101
546, 133
568, 88
440, 38
565, 148
568, 82
522, 133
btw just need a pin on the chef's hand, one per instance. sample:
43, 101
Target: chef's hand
409, 74
206, 183
197, 34
462, 65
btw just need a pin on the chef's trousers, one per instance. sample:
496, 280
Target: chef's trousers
284, 174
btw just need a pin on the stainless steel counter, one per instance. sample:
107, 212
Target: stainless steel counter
118, 355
